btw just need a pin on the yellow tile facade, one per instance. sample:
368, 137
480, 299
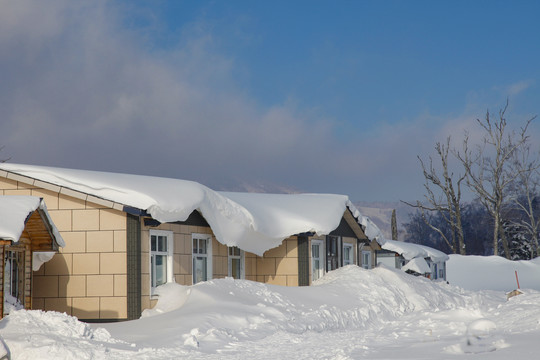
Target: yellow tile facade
92, 265
277, 266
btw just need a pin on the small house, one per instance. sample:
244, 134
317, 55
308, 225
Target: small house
127, 234
413, 258
28, 238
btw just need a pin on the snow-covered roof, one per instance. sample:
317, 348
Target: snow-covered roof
418, 265
411, 251
253, 222
371, 229
407, 250
14, 212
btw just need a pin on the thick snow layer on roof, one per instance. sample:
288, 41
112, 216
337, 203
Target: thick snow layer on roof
13, 213
253, 222
410, 251
15, 209
372, 231
418, 265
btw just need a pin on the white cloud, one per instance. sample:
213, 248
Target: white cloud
87, 92
519, 87
80, 89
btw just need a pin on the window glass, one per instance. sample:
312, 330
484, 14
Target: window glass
161, 269
347, 254
202, 246
236, 263
162, 243
317, 261
199, 269
201, 258
236, 268
160, 258
366, 259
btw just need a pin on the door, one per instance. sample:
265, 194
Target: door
332, 252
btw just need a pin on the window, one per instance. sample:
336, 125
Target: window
202, 257
332, 252
317, 260
236, 263
14, 277
347, 254
161, 254
366, 259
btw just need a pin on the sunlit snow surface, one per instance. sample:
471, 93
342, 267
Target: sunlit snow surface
351, 313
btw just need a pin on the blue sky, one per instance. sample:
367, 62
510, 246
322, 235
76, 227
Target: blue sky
314, 96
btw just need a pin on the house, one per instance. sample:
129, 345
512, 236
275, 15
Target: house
28, 238
413, 258
127, 234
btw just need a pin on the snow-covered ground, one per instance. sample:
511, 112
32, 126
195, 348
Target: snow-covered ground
351, 313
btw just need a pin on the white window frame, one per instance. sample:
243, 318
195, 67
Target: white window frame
351, 252
322, 258
208, 256
239, 257
169, 253
368, 253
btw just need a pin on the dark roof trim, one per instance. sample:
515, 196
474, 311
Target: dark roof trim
195, 219
134, 211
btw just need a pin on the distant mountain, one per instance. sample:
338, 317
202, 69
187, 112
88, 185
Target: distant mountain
259, 187
380, 213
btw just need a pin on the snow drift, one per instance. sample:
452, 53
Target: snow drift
492, 273
350, 313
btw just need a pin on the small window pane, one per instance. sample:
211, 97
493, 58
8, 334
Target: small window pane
161, 269
316, 269
165, 244
315, 251
202, 246
153, 245
195, 246
235, 268
162, 243
199, 269
234, 251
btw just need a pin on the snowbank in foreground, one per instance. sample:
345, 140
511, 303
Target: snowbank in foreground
492, 273
351, 313
218, 312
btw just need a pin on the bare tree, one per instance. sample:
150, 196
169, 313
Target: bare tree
525, 197
3, 160
486, 168
445, 198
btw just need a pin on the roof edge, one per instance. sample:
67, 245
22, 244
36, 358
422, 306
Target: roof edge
64, 190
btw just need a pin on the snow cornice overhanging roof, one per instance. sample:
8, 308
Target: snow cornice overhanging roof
253, 222
15, 210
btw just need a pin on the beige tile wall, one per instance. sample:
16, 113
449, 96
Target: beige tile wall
87, 278
278, 266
